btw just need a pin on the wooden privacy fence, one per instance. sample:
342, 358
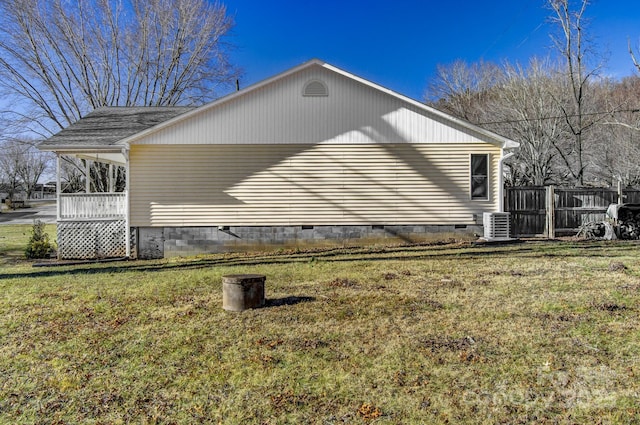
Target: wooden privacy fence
547, 211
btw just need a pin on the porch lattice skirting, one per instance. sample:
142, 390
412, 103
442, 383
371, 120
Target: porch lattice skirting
91, 239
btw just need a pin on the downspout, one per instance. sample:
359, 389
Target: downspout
503, 158
127, 230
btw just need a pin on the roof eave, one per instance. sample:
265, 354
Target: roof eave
500, 141
510, 144
81, 149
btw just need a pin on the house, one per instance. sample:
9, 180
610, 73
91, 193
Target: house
314, 153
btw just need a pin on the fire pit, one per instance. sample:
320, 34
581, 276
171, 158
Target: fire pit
242, 291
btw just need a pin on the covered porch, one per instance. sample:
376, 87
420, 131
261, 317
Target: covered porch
94, 225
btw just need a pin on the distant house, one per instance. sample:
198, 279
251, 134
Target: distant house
44, 191
314, 153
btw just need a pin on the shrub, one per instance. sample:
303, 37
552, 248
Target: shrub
39, 245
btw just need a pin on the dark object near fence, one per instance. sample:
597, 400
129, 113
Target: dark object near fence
600, 230
626, 219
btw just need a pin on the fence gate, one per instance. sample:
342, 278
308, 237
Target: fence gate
528, 210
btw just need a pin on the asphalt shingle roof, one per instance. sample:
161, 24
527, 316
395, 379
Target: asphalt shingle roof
106, 126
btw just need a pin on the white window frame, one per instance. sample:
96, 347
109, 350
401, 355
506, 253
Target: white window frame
488, 177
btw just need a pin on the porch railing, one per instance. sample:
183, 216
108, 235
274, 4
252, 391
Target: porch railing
92, 206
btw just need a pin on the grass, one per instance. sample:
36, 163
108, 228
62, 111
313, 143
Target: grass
13, 241
537, 332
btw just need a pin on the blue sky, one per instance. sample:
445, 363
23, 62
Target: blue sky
399, 43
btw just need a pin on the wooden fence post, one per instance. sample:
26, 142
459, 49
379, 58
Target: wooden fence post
550, 222
620, 193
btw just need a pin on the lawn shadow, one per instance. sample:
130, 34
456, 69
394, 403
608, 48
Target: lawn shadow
291, 300
401, 253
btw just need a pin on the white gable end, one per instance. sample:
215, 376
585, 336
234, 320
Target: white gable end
282, 112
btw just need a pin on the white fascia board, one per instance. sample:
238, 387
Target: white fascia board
110, 154
500, 141
65, 149
107, 158
503, 142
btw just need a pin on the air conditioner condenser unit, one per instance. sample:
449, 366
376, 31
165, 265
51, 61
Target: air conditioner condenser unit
497, 226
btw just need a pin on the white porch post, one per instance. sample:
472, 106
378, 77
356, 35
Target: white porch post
87, 166
127, 229
111, 179
58, 186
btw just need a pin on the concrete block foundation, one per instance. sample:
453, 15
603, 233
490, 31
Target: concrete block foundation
160, 242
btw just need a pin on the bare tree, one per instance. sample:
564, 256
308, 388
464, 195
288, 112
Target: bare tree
33, 164
9, 170
511, 100
60, 59
576, 100
618, 136
462, 89
633, 56
72, 179
561, 114
522, 109
22, 166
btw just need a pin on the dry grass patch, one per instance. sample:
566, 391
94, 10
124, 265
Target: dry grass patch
527, 333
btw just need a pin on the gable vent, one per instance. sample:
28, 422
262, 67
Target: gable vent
315, 88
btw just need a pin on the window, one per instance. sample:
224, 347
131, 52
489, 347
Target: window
480, 176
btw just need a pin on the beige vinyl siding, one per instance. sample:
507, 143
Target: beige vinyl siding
302, 184
278, 113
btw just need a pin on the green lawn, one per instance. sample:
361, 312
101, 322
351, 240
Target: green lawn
536, 332
13, 241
